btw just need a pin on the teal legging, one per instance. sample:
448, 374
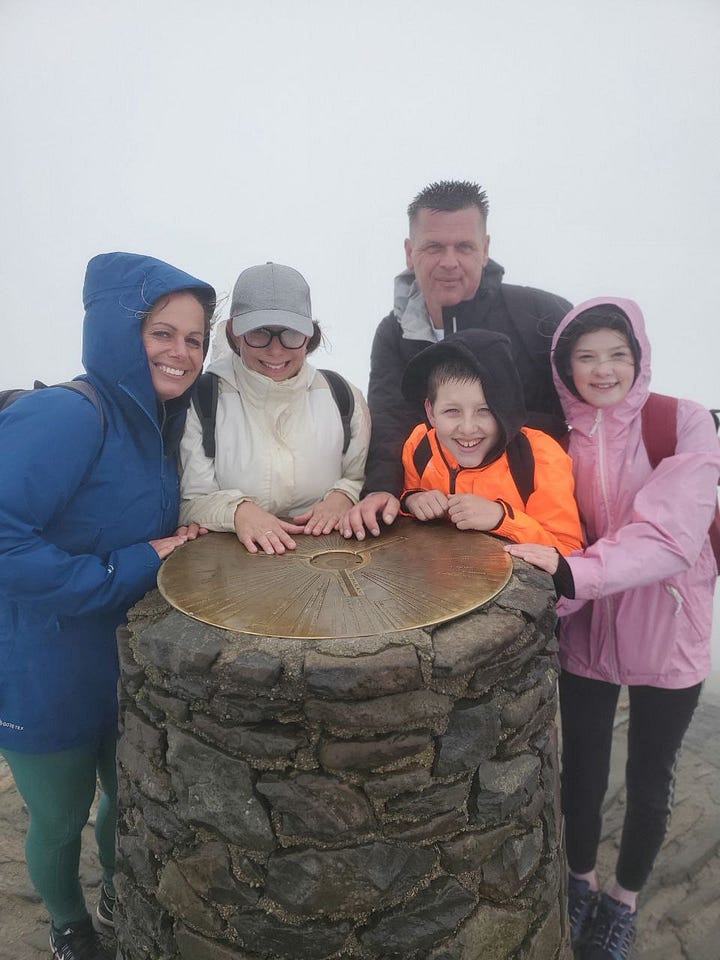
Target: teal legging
58, 790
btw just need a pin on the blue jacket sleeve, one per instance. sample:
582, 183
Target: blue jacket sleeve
50, 444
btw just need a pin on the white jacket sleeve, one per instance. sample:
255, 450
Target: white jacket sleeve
353, 461
203, 501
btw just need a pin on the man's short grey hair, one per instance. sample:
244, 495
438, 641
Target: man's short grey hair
448, 196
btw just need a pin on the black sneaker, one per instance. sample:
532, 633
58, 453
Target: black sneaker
106, 907
582, 904
613, 932
78, 941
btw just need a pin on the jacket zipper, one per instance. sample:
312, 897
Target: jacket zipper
165, 503
607, 601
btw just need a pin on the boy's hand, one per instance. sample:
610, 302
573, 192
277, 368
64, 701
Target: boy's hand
427, 505
324, 516
470, 512
365, 514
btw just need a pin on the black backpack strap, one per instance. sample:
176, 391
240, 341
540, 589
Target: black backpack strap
522, 465
344, 399
205, 401
79, 386
422, 455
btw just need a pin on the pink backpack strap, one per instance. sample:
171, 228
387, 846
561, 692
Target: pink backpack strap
659, 427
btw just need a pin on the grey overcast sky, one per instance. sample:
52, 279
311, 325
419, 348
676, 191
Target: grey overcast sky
220, 133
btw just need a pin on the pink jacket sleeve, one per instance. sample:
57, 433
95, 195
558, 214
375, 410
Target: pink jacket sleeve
671, 515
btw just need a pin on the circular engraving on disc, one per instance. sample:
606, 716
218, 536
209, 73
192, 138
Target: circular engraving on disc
412, 575
337, 560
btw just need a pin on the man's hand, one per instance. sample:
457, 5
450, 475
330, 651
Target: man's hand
427, 505
545, 558
324, 516
470, 512
191, 532
365, 514
256, 527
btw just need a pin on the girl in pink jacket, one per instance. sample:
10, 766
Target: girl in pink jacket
636, 606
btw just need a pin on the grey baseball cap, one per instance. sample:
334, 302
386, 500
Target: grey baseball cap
271, 295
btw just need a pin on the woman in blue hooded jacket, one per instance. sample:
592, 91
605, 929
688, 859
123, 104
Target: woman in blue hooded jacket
88, 509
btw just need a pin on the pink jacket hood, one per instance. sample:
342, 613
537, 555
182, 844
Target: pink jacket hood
579, 413
644, 584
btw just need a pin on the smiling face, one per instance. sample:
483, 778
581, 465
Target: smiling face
447, 250
173, 334
274, 360
602, 367
463, 422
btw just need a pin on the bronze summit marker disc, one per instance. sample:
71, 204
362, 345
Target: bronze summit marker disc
412, 575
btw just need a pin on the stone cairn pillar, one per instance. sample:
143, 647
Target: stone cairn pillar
373, 797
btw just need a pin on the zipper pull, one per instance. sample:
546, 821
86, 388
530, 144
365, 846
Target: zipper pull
598, 418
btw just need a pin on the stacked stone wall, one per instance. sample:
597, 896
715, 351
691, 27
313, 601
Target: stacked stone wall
375, 797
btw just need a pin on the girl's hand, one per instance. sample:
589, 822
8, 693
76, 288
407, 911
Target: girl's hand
324, 516
256, 527
545, 558
427, 505
470, 512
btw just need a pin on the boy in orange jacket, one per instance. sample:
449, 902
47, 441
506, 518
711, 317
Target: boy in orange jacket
476, 463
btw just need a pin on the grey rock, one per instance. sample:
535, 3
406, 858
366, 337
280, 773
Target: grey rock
546, 940
269, 936
472, 735
463, 646
248, 669
192, 946
314, 882
133, 673
431, 801
178, 645
419, 923
491, 933
140, 754
251, 708
368, 754
136, 858
414, 709
180, 900
468, 853
529, 641
269, 741
207, 870
504, 875
170, 706
530, 590
139, 925
519, 741
444, 825
395, 670
161, 820
522, 708
391, 784
504, 786
217, 791
317, 806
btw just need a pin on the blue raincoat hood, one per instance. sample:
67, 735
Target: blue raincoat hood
119, 290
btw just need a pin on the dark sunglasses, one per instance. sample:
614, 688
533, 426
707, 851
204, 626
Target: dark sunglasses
262, 337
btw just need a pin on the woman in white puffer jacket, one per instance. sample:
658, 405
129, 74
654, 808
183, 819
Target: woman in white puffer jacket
279, 468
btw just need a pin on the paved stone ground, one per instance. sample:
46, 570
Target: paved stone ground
679, 910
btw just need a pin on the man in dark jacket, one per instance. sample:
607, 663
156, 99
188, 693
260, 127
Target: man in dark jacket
450, 284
